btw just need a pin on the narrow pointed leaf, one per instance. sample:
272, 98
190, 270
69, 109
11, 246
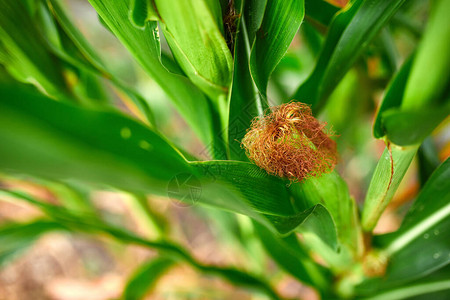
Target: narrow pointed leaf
84, 57
86, 223
245, 99
281, 22
349, 34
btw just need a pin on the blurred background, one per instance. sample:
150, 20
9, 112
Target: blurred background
77, 266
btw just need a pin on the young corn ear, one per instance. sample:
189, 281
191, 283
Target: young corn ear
289, 142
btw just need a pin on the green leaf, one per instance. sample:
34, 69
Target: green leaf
432, 286
422, 243
393, 97
318, 221
411, 290
428, 160
143, 279
47, 138
80, 54
142, 11
144, 45
90, 224
266, 195
404, 118
331, 191
349, 34
431, 208
290, 255
253, 11
391, 168
320, 11
86, 50
409, 127
196, 39
16, 237
24, 52
281, 22
245, 100
429, 74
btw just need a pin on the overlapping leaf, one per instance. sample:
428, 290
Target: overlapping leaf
194, 31
349, 33
291, 256
281, 22
245, 99
265, 31
51, 139
425, 227
331, 191
77, 222
417, 100
144, 45
23, 50
392, 166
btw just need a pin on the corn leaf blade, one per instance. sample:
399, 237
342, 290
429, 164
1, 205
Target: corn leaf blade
143, 279
198, 43
56, 140
426, 226
144, 45
245, 99
281, 22
349, 33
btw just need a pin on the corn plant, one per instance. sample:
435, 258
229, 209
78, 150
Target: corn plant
72, 123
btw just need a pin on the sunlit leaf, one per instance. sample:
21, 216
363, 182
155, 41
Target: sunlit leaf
431, 208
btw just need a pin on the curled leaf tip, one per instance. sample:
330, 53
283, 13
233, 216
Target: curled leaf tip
289, 142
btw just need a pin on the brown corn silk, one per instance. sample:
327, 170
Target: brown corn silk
289, 142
